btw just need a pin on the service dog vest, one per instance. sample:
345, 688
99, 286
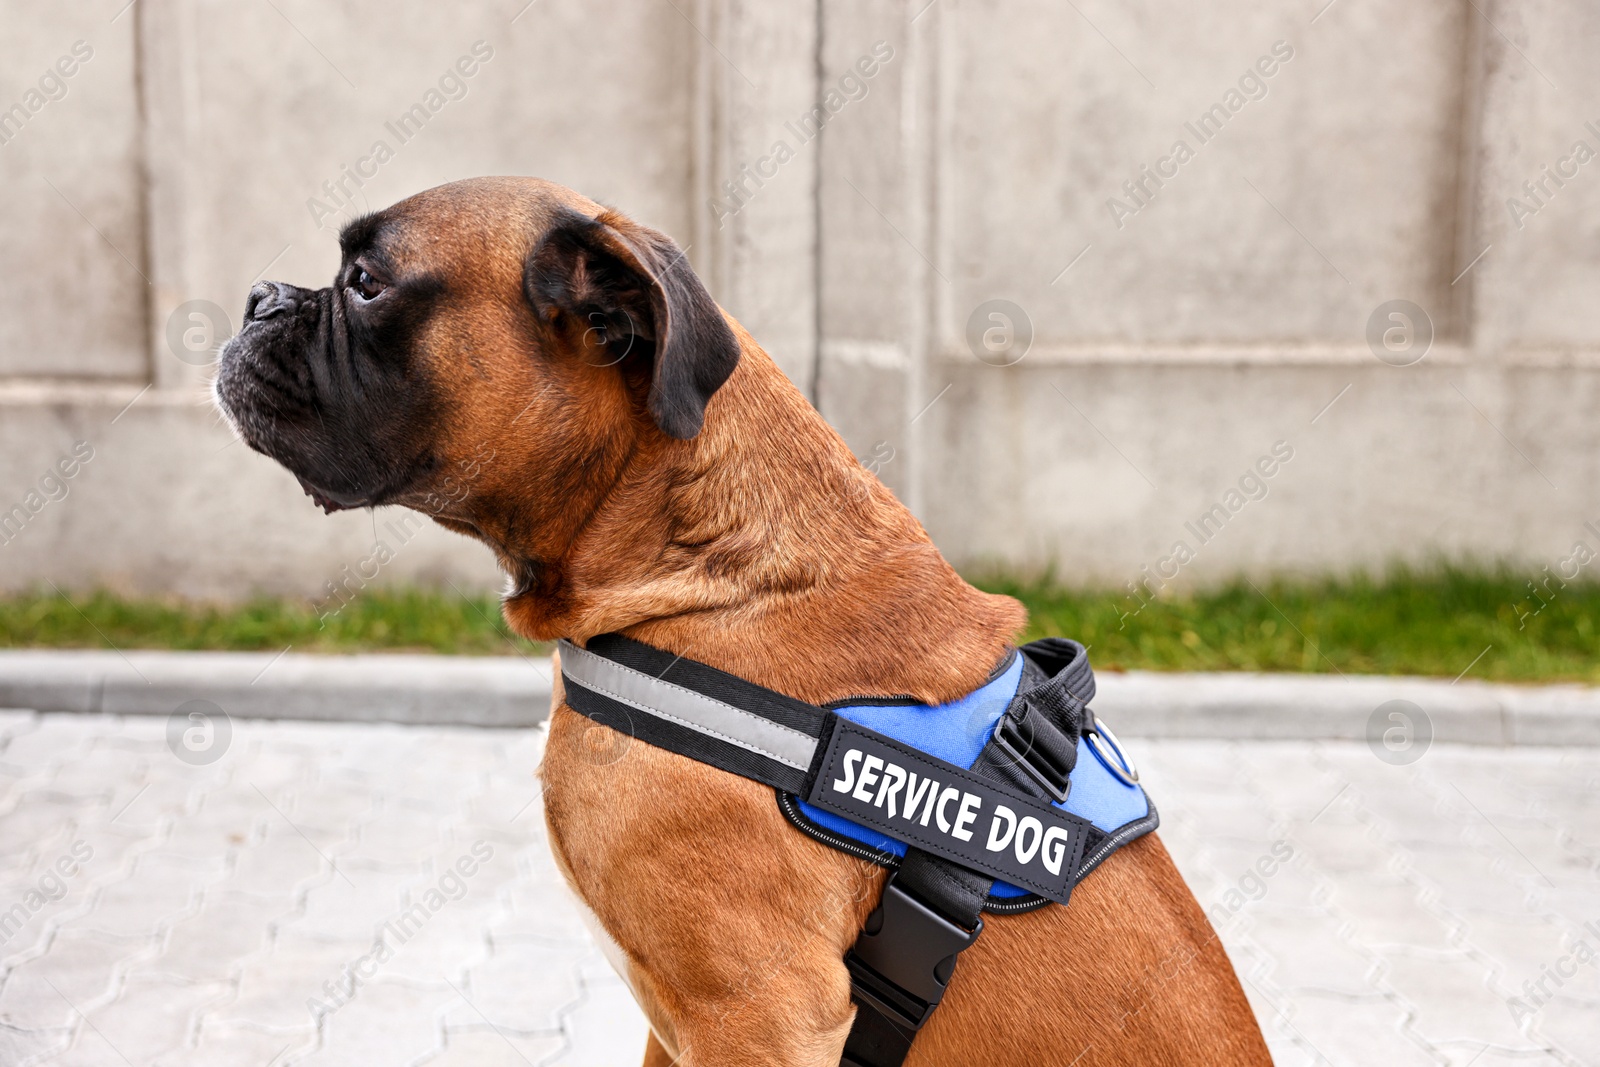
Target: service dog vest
1000, 801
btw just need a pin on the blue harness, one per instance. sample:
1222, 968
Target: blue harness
998, 802
956, 733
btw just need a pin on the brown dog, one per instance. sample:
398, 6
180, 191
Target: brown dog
544, 375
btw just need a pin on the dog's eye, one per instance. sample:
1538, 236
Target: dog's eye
366, 286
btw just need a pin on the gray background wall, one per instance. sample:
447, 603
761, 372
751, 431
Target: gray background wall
1168, 353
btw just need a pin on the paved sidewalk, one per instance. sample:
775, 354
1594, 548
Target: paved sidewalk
225, 913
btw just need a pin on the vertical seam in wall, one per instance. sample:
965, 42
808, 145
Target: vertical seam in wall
727, 16
145, 191
1468, 167
916, 150
816, 220
910, 99
700, 166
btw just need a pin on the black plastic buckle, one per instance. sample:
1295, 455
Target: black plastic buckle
1014, 735
904, 957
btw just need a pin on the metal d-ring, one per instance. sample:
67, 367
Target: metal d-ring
1109, 749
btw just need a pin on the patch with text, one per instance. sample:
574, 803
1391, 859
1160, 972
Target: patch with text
948, 811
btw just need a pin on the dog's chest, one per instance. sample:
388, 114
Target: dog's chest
672, 864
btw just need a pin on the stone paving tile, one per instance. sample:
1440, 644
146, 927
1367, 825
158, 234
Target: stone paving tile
282, 862
213, 943
159, 891
440, 946
227, 1046
1390, 912
39, 821
1573, 1025
150, 1015
486, 1047
14, 721
399, 838
385, 1023
525, 987
50, 742
26, 1047
71, 973
1454, 1000
357, 903
304, 899
273, 991
1324, 961
605, 1027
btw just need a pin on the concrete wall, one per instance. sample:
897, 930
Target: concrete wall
1164, 335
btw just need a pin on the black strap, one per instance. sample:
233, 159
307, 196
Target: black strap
697, 745
932, 908
899, 968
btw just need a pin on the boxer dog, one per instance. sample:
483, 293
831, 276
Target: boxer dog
541, 373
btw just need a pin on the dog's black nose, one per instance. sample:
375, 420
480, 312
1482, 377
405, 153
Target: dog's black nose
267, 299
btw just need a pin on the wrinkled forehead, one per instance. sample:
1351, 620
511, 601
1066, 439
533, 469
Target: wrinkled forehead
485, 224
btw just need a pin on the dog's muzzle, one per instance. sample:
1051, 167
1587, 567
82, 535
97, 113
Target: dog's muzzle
269, 386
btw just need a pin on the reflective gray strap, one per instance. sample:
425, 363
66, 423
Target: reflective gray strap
687, 708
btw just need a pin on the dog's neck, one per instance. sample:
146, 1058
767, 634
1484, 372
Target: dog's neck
762, 547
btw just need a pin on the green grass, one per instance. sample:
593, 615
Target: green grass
1435, 622
375, 621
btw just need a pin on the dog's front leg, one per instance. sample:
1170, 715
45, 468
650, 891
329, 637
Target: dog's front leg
731, 926
655, 1054
784, 1022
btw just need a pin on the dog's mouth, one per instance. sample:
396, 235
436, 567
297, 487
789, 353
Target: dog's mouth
275, 413
323, 500
260, 428
397, 491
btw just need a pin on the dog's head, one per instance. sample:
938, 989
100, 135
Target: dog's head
492, 336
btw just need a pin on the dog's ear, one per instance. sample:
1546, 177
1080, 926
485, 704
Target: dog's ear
635, 286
